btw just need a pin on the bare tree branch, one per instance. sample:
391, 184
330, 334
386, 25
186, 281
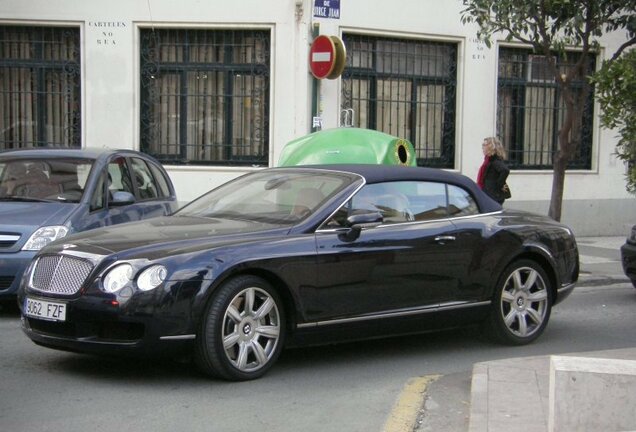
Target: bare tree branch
622, 48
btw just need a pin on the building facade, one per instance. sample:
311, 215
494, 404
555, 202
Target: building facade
216, 89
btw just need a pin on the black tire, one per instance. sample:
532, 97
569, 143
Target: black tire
521, 304
242, 330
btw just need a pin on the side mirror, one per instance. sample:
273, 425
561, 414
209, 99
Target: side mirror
122, 198
365, 220
356, 222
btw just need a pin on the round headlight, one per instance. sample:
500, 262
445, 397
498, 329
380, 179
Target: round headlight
118, 277
152, 277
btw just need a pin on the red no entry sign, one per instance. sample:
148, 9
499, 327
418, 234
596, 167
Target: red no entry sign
322, 56
326, 57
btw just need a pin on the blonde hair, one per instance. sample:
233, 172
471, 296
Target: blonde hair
495, 147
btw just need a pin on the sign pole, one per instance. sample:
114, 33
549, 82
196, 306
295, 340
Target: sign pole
315, 86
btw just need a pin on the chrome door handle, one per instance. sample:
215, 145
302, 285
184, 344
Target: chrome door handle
443, 239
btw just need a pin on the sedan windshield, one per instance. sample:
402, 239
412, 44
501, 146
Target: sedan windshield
43, 179
276, 197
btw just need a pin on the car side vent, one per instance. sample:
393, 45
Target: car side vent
60, 274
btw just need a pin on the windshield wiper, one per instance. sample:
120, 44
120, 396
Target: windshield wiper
249, 217
22, 199
226, 215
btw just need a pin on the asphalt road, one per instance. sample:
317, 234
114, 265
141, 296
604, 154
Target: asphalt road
351, 387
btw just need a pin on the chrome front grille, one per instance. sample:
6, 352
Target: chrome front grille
60, 274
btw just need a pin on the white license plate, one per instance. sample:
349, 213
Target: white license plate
43, 309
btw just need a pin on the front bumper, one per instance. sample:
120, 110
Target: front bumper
12, 267
146, 323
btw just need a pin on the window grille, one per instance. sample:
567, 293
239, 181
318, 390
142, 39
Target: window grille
406, 88
205, 96
40, 99
530, 110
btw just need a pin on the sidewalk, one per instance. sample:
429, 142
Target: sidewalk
600, 260
513, 395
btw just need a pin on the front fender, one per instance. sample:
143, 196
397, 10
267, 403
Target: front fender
287, 265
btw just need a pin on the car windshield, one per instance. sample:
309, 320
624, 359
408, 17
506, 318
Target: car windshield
274, 197
43, 179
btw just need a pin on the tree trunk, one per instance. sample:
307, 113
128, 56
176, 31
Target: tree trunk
567, 147
558, 182
560, 163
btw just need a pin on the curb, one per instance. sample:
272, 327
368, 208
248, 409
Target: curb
599, 280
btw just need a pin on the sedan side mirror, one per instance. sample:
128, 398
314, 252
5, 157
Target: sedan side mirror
356, 222
122, 198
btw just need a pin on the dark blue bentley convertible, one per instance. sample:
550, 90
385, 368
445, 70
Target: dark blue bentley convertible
300, 255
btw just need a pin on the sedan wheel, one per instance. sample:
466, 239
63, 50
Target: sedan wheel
522, 304
242, 332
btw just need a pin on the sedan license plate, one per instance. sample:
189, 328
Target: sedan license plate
43, 309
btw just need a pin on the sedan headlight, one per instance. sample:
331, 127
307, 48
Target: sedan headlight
43, 236
118, 277
152, 277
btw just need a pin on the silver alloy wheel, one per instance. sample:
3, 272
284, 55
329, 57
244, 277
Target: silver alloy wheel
524, 302
251, 329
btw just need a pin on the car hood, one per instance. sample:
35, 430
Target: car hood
164, 236
26, 217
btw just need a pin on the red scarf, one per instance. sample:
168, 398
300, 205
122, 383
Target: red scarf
482, 172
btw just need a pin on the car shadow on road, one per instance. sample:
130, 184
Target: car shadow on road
9, 309
168, 371
126, 369
380, 349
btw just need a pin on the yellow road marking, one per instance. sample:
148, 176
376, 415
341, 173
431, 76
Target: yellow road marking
404, 414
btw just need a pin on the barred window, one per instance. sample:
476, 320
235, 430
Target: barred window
531, 110
39, 87
205, 96
406, 88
